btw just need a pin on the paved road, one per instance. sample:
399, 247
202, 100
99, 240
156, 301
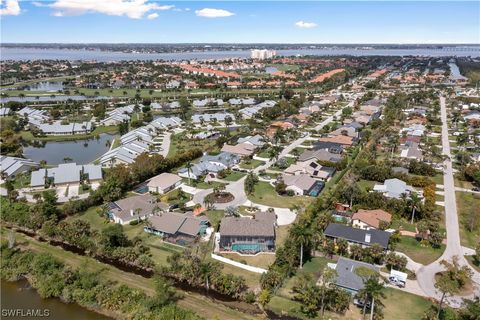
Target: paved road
165, 144
426, 274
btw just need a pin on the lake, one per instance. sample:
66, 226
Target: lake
44, 86
50, 98
19, 295
69, 54
80, 151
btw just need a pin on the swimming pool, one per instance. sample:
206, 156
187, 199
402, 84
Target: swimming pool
316, 189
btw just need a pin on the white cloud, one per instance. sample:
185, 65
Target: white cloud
213, 13
305, 25
152, 16
135, 9
11, 8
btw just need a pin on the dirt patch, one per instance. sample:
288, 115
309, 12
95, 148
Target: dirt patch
220, 197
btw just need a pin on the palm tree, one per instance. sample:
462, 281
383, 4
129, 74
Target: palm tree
301, 235
189, 171
374, 289
415, 201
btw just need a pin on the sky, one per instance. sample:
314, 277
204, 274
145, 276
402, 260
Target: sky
148, 21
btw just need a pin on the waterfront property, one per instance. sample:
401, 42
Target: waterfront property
66, 174
365, 238
135, 208
11, 166
179, 228
164, 183
248, 235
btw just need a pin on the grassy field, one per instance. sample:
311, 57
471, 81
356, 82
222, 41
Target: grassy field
412, 248
284, 67
467, 207
261, 260
234, 176
203, 184
250, 164
214, 216
179, 143
366, 185
193, 301
403, 225
265, 194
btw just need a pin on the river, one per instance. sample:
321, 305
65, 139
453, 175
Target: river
69, 54
80, 151
19, 295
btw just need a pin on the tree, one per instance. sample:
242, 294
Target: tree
184, 107
164, 294
414, 203
307, 292
452, 280
232, 211
301, 235
250, 182
367, 274
326, 279
264, 298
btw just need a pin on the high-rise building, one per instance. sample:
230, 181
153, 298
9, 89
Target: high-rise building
263, 54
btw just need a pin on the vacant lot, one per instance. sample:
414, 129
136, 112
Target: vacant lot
265, 194
469, 218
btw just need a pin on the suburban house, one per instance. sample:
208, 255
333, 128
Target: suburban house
164, 183
411, 151
125, 154
395, 188
346, 277
365, 238
212, 117
256, 140
312, 168
332, 147
4, 112
248, 235
210, 165
250, 112
57, 128
243, 149
345, 141
178, 228
66, 174
370, 219
118, 115
303, 184
417, 130
11, 166
319, 155
345, 131
140, 207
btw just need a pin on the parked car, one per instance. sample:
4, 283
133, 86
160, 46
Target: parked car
396, 282
360, 303
476, 189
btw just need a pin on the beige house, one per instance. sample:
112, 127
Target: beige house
370, 219
243, 149
164, 183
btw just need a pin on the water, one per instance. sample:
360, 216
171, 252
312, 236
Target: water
68, 54
18, 295
45, 86
50, 98
80, 151
455, 72
270, 70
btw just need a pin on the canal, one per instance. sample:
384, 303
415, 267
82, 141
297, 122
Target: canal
19, 295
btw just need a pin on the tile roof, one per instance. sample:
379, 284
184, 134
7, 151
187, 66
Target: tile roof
372, 217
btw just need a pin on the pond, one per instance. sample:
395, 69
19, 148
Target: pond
44, 86
19, 295
80, 151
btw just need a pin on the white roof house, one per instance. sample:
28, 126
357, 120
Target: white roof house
66, 173
209, 117
11, 166
394, 188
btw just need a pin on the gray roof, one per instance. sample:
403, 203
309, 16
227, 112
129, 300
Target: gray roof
301, 181
10, 165
346, 275
320, 155
172, 222
336, 230
94, 171
65, 173
37, 178
208, 117
256, 140
125, 207
263, 226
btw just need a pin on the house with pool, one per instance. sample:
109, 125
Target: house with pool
178, 228
247, 235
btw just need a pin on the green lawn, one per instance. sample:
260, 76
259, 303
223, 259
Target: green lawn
261, 260
284, 67
467, 207
265, 194
403, 225
438, 179
214, 216
473, 262
250, 164
21, 180
180, 143
203, 184
366, 185
234, 176
412, 248
401, 305
92, 217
